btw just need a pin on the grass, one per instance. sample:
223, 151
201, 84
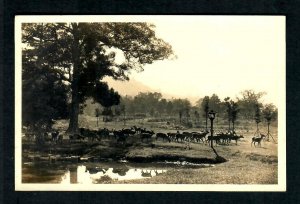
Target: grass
245, 165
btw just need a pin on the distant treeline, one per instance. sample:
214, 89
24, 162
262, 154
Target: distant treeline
152, 104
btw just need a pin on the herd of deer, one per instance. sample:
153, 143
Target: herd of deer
146, 135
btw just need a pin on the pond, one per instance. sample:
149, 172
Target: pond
96, 172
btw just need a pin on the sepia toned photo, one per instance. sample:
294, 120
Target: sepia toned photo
150, 103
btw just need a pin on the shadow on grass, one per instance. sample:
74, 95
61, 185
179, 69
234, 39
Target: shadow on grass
263, 159
174, 158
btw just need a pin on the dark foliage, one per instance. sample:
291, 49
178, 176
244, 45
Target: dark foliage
44, 96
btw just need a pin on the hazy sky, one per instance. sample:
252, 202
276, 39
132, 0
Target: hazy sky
219, 54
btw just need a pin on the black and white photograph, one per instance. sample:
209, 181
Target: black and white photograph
145, 103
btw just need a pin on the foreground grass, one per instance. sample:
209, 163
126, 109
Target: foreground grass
237, 171
259, 166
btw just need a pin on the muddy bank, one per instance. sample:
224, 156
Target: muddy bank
110, 151
69, 148
170, 158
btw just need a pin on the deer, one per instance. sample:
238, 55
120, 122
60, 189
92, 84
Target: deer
163, 136
146, 136
258, 140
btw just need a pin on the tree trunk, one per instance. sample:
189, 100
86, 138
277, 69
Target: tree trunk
73, 125
74, 112
212, 134
268, 135
180, 117
206, 121
124, 117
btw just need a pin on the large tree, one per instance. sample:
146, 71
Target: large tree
228, 111
182, 107
257, 116
232, 110
247, 102
270, 113
82, 54
162, 107
147, 103
215, 103
234, 113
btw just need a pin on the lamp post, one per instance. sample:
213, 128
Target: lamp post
211, 116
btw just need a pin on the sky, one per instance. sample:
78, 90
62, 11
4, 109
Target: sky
219, 54
215, 54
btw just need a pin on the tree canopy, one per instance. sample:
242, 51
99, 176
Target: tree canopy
269, 112
248, 101
205, 108
82, 54
43, 97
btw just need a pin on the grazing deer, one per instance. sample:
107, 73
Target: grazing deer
163, 136
236, 138
146, 136
180, 137
258, 140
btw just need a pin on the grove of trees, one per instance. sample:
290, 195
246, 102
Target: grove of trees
154, 105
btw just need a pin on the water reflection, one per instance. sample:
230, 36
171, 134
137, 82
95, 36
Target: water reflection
84, 175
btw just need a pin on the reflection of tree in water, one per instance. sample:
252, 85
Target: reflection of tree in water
146, 173
151, 173
73, 175
105, 169
94, 170
42, 172
120, 171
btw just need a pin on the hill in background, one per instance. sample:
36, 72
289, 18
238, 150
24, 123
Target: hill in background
134, 87
130, 88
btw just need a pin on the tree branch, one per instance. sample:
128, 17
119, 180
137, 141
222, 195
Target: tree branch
62, 75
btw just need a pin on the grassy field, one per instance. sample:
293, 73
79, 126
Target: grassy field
245, 164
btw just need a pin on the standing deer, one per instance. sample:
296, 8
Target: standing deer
258, 140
